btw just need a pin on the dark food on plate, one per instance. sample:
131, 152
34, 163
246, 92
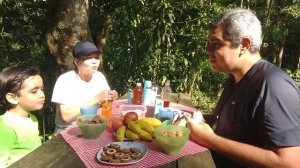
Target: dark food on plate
110, 152
114, 154
135, 150
95, 120
119, 155
125, 150
115, 146
126, 159
136, 155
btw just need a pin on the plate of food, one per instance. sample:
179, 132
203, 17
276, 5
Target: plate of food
122, 153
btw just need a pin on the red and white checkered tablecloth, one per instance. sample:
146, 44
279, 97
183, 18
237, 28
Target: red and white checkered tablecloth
87, 149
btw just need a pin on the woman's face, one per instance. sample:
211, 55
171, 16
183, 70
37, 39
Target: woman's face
89, 64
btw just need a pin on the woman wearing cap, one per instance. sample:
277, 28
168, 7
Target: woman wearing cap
82, 86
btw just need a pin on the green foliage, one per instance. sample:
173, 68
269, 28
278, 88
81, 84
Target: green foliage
22, 42
295, 75
153, 40
159, 40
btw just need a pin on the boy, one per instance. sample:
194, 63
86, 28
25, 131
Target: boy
21, 91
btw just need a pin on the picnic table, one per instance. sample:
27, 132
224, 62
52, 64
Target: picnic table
57, 153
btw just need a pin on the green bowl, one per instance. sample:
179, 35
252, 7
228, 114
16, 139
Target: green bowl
170, 143
92, 130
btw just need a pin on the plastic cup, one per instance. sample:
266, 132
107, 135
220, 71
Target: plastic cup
166, 113
107, 110
166, 103
89, 110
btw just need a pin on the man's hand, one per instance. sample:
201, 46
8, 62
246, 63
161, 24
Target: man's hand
200, 132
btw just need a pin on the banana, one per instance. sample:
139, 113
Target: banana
145, 126
153, 121
134, 127
121, 133
145, 136
131, 135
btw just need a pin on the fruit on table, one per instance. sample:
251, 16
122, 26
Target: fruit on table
142, 129
121, 133
131, 135
134, 127
116, 123
145, 136
130, 116
145, 125
153, 121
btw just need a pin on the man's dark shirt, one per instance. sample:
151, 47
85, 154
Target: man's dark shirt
263, 110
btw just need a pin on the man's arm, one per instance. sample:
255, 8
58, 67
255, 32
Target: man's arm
244, 154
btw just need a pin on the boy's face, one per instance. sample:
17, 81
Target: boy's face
31, 95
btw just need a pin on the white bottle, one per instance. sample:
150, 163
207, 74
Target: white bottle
147, 93
166, 93
156, 90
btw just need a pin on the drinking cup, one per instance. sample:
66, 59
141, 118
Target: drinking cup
89, 109
107, 110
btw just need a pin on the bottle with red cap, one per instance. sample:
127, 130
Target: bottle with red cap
137, 94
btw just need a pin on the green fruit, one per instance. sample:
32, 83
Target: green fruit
145, 136
131, 135
145, 126
121, 133
134, 127
153, 121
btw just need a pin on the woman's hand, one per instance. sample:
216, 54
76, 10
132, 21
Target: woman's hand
107, 95
113, 94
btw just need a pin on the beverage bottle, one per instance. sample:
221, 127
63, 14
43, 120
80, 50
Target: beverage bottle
156, 90
137, 94
129, 96
107, 111
166, 93
147, 93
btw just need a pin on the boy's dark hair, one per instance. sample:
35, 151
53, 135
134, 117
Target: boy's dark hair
11, 80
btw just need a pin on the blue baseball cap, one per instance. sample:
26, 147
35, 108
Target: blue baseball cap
84, 48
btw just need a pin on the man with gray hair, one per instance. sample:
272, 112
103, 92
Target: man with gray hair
258, 114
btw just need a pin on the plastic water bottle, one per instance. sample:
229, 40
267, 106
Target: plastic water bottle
137, 94
166, 93
147, 93
129, 96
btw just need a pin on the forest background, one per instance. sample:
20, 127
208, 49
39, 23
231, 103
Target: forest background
155, 40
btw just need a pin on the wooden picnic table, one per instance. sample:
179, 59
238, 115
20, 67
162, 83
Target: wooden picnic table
57, 153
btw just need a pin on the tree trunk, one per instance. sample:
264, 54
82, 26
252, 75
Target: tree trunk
298, 64
69, 24
102, 36
281, 49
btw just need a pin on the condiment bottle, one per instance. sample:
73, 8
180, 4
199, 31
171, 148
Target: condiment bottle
166, 93
137, 94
